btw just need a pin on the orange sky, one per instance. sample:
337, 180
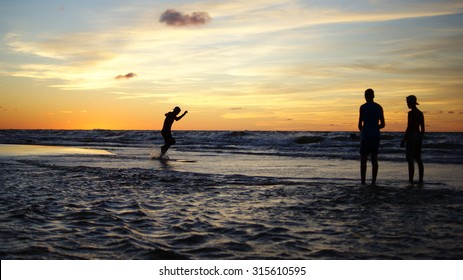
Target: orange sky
260, 65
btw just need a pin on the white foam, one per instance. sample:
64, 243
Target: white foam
8, 150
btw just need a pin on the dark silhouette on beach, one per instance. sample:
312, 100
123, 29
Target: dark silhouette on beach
166, 131
413, 139
371, 120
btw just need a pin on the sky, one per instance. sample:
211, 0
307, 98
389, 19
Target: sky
233, 65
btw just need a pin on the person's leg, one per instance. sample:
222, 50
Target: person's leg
374, 164
363, 167
164, 149
419, 162
420, 165
420, 170
168, 141
363, 160
411, 170
411, 155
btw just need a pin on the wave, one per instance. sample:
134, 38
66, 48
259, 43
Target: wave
437, 147
309, 139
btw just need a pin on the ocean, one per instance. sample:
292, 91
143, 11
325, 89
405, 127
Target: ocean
98, 194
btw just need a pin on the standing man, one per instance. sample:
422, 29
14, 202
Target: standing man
371, 120
166, 131
413, 139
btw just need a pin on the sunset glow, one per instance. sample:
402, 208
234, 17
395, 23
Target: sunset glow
234, 65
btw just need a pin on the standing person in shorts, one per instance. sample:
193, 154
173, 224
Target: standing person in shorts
166, 131
413, 139
371, 120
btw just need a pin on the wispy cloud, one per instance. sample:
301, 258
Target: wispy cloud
73, 48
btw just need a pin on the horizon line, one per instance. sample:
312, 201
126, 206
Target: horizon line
218, 130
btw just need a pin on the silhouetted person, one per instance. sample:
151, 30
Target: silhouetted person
413, 139
167, 127
371, 120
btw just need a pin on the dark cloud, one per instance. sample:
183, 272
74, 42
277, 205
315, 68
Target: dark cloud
172, 17
235, 109
126, 76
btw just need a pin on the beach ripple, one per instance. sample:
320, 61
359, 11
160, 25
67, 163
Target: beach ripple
59, 212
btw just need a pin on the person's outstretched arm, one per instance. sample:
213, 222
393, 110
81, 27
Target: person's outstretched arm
179, 118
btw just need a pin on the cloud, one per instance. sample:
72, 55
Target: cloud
73, 48
126, 76
172, 17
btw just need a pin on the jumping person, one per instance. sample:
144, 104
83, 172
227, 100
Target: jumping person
413, 139
166, 131
371, 120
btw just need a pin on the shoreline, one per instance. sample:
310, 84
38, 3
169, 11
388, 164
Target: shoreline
391, 173
13, 150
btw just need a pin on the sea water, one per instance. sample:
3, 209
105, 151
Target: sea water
225, 195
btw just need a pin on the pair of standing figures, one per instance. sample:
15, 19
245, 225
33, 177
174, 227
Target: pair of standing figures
371, 121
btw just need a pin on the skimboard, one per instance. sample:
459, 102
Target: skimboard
182, 160
165, 159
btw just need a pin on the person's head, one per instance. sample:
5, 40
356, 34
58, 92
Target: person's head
412, 101
177, 110
369, 94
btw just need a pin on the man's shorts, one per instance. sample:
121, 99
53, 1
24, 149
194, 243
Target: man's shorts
369, 146
413, 149
168, 139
